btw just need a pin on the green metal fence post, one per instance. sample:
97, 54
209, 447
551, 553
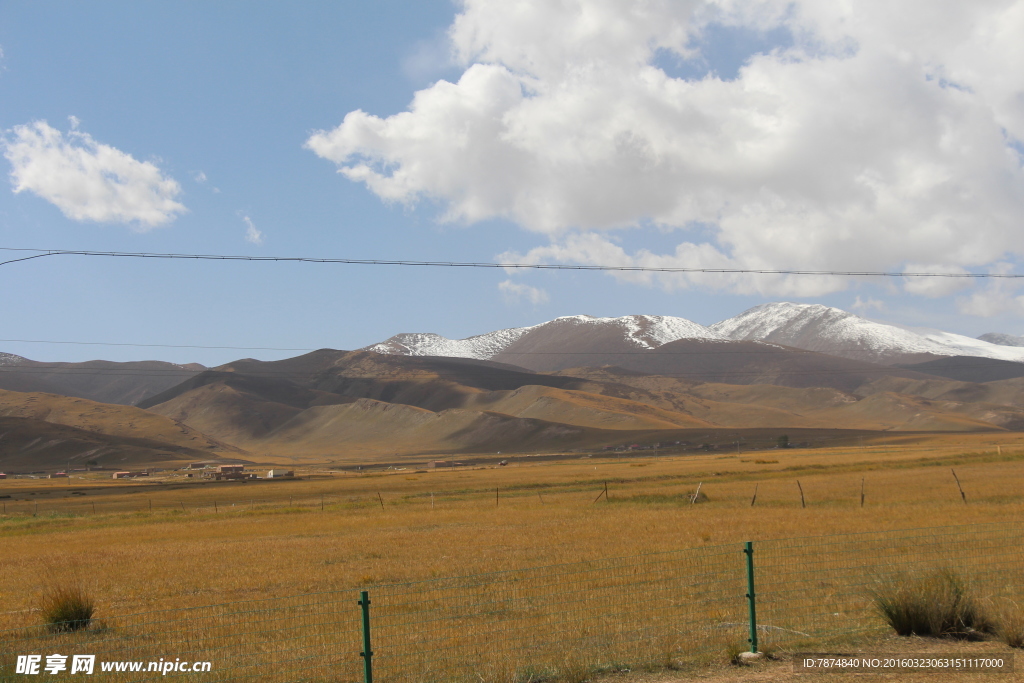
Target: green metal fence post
749, 552
367, 653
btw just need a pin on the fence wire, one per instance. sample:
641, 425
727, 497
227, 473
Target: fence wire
549, 622
539, 623
821, 587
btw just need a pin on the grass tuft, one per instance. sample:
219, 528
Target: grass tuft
1009, 622
939, 603
733, 651
66, 608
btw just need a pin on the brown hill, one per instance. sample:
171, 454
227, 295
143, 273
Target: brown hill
368, 426
104, 424
360, 402
240, 409
754, 363
581, 408
912, 413
969, 368
252, 411
98, 380
30, 445
364, 374
891, 403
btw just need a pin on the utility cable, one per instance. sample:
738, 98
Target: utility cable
475, 264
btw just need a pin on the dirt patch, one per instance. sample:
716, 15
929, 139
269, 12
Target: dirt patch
780, 666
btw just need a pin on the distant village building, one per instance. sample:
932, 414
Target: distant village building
197, 466
2, 475
58, 475
229, 472
129, 475
226, 475
280, 474
441, 464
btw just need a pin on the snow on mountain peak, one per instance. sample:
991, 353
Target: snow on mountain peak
1001, 339
831, 330
765, 320
647, 331
11, 359
806, 326
481, 347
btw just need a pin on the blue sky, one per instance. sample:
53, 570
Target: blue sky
537, 140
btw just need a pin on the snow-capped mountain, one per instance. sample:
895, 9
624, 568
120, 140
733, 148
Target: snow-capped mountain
1001, 339
836, 332
11, 359
481, 347
579, 340
660, 345
639, 331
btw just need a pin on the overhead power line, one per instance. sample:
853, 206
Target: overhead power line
41, 253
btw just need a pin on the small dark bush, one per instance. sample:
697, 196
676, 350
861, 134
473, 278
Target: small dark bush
66, 608
938, 603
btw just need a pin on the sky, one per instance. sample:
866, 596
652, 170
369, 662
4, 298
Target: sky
765, 134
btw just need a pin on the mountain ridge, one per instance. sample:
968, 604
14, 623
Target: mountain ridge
840, 333
645, 331
811, 327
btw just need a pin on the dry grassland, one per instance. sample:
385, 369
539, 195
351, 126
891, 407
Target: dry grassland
272, 538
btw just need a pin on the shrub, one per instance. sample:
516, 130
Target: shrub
66, 608
1009, 623
938, 603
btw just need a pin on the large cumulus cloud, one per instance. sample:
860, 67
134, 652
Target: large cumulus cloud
878, 136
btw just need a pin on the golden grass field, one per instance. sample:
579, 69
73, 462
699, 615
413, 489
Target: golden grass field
273, 537
329, 531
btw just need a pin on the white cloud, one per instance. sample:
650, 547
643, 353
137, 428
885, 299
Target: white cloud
998, 296
991, 301
597, 249
882, 135
934, 286
514, 292
199, 177
252, 234
87, 180
864, 306
428, 59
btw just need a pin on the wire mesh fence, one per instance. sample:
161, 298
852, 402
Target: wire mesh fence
821, 587
23, 509
296, 638
547, 622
